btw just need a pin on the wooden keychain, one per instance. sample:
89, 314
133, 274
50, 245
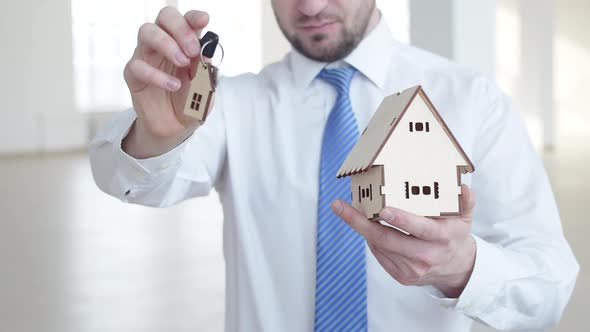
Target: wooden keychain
201, 93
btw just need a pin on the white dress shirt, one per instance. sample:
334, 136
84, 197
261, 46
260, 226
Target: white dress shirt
260, 149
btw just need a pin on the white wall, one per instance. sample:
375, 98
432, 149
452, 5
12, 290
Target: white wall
37, 110
462, 30
537, 79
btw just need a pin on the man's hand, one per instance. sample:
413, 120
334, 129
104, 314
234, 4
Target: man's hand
158, 76
438, 252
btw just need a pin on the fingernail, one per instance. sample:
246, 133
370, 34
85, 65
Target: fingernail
173, 84
181, 58
337, 206
386, 215
192, 45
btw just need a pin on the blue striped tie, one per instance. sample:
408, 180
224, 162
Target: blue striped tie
341, 290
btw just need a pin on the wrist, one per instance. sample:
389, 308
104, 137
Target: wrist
454, 284
140, 144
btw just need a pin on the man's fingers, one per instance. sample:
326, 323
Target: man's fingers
467, 202
176, 25
197, 19
375, 233
152, 37
145, 74
421, 227
385, 238
368, 229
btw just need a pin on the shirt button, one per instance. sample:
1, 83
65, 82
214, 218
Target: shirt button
125, 196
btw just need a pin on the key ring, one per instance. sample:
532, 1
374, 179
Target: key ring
222, 53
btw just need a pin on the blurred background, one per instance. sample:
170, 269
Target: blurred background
74, 259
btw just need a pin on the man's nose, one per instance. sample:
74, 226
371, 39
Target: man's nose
311, 7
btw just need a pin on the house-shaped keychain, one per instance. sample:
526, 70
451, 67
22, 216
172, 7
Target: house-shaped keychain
201, 94
407, 158
202, 87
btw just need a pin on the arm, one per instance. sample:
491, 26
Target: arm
151, 156
525, 271
188, 170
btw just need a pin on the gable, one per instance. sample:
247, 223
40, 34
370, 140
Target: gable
463, 161
419, 141
369, 144
391, 112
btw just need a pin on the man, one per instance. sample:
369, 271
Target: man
293, 264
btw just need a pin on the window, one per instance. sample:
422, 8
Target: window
426, 190
366, 193
419, 126
196, 101
105, 35
436, 190
407, 190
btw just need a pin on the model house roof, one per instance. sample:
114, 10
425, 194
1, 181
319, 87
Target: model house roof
381, 126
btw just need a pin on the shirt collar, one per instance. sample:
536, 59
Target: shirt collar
371, 57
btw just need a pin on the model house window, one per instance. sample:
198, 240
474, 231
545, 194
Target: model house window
436, 190
366, 193
196, 102
419, 126
426, 190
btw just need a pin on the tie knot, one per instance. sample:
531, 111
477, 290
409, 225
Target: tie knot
339, 78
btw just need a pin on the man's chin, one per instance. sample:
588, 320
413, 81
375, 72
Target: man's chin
323, 51
324, 47
325, 54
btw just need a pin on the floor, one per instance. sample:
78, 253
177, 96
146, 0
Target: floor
74, 259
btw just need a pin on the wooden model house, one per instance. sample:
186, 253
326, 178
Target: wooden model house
407, 158
201, 93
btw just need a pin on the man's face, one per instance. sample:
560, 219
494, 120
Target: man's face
325, 30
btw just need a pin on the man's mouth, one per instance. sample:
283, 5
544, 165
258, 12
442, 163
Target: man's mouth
317, 27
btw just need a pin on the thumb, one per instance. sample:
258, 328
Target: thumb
467, 203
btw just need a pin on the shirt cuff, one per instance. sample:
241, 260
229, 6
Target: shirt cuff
150, 167
483, 286
127, 178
